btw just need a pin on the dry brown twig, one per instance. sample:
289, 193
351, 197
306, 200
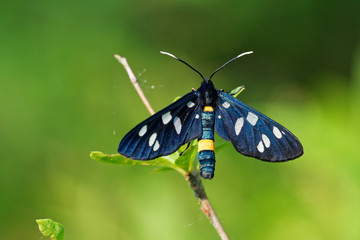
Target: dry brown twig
193, 178
134, 82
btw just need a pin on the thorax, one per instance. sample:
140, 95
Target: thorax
208, 93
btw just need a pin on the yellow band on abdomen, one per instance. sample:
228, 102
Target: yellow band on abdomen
208, 109
206, 144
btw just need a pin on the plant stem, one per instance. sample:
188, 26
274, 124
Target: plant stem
193, 177
134, 81
199, 191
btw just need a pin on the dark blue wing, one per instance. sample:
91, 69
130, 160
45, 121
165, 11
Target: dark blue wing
165, 131
252, 133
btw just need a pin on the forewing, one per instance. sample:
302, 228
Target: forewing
165, 131
252, 133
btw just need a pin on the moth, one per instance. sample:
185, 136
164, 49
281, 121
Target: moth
197, 115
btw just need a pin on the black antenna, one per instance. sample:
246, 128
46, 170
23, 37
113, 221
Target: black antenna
171, 55
245, 53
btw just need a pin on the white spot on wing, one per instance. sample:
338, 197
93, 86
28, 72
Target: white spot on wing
156, 146
177, 125
190, 104
266, 140
197, 116
252, 118
166, 117
152, 139
277, 132
219, 116
226, 105
260, 147
142, 131
238, 125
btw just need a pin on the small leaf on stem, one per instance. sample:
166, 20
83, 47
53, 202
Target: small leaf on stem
51, 228
166, 161
236, 91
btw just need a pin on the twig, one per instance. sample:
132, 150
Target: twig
193, 178
134, 81
206, 207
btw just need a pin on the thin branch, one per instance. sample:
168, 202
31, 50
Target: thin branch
134, 81
194, 177
199, 191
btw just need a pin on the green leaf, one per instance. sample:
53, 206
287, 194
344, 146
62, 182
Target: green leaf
236, 91
220, 145
50, 228
165, 161
186, 160
162, 169
177, 98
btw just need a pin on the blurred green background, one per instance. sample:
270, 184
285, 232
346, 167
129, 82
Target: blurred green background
64, 95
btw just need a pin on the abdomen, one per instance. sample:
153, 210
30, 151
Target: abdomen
206, 144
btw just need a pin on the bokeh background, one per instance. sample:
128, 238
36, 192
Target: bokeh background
64, 95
